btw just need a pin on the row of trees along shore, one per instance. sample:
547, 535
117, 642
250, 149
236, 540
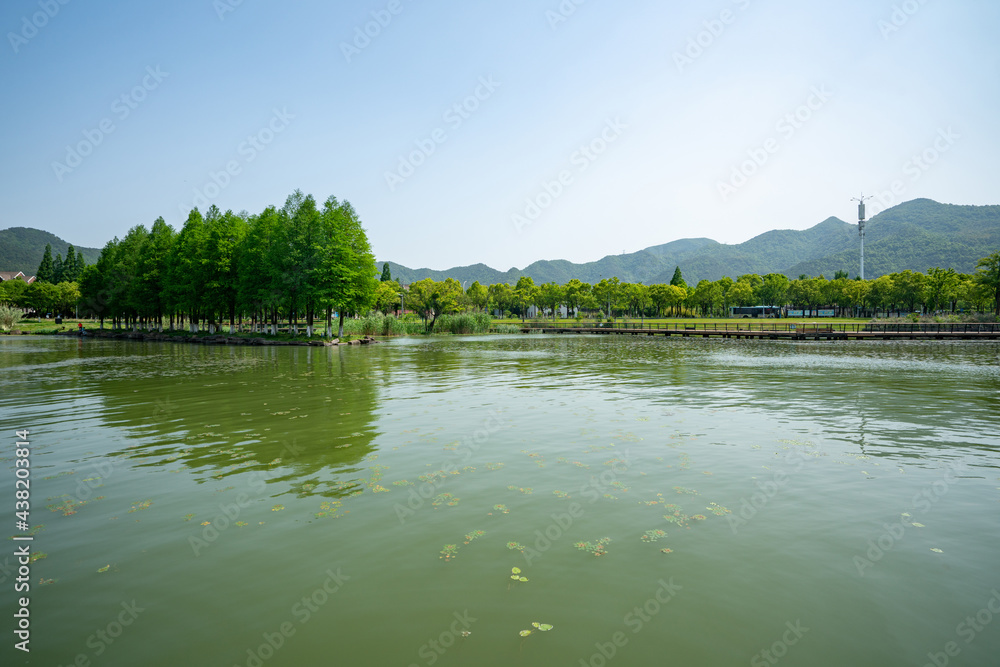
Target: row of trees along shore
938, 290
304, 261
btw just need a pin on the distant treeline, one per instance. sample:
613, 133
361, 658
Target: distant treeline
938, 289
302, 262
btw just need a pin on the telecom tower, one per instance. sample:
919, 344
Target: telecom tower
861, 227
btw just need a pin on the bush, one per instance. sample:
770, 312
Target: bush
9, 316
463, 324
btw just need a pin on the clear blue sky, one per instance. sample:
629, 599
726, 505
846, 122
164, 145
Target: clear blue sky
810, 103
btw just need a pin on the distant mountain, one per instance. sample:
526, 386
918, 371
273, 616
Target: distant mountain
21, 249
915, 235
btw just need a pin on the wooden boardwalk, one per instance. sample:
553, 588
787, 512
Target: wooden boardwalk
816, 331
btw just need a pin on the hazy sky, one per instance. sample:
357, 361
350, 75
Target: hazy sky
500, 132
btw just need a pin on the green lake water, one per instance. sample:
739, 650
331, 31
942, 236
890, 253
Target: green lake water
822, 503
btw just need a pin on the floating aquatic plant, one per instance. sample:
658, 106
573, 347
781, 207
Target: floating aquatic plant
105, 568
68, 504
718, 509
378, 488
541, 627
242, 523
188, 517
667, 551
140, 505
44, 582
443, 498
450, 551
515, 546
515, 574
681, 489
494, 466
474, 535
38, 555
329, 508
526, 490
936, 550
653, 535
562, 494
402, 482
277, 508
500, 508
610, 497
597, 548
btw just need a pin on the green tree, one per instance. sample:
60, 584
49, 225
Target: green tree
386, 273
501, 297
346, 271
741, 293
42, 297
550, 296
185, 268
45, 270
70, 271
942, 288
68, 294
525, 294
431, 299
909, 288
705, 296
11, 291
883, 293
773, 288
387, 296
678, 279
57, 269
225, 236
478, 296
607, 292
151, 288
988, 278
577, 294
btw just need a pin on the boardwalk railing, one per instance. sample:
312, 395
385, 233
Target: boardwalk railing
799, 327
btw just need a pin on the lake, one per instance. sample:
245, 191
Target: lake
690, 502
